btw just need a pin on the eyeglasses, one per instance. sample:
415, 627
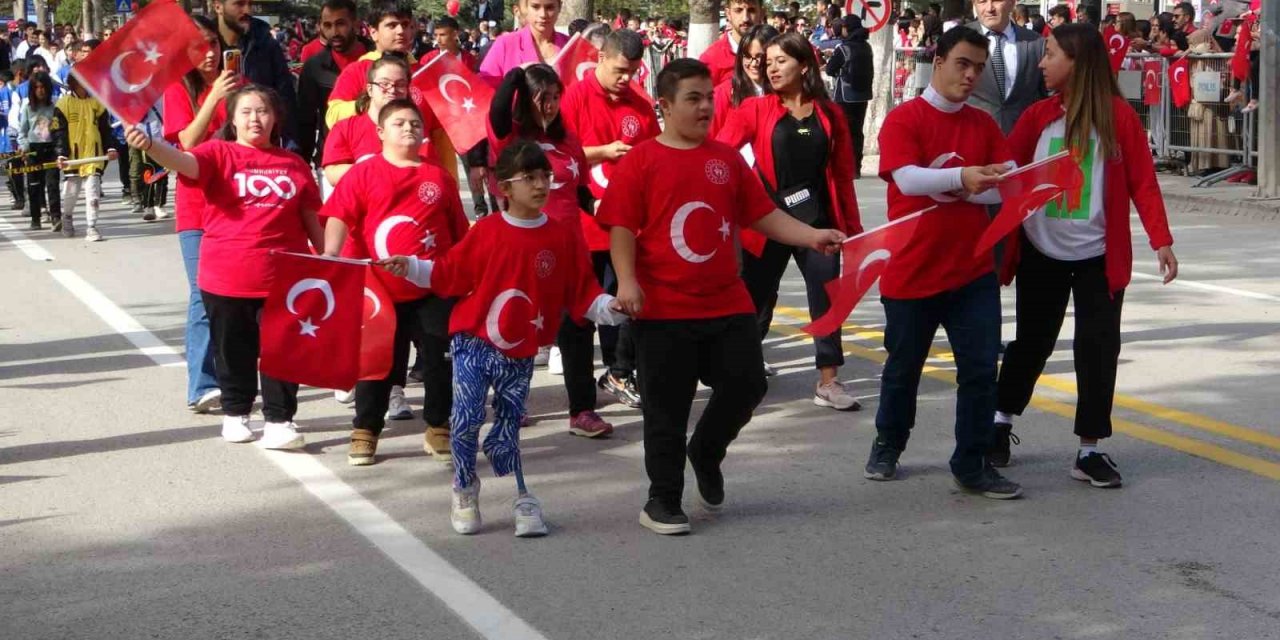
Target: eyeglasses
535, 177
753, 60
389, 86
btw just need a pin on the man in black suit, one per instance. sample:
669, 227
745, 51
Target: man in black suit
1011, 81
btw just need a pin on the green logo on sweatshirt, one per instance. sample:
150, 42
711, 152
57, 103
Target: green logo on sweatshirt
1055, 209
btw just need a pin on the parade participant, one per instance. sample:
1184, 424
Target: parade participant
244, 171
609, 117
527, 106
356, 138
532, 267
673, 209
804, 155
721, 56
194, 109
536, 41
42, 132
1085, 254
951, 164
396, 187
323, 59
87, 133
748, 77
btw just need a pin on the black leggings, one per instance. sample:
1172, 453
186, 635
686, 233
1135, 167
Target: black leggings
41, 183
426, 321
233, 333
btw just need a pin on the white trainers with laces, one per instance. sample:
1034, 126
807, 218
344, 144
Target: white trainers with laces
161, 213
398, 408
835, 396
281, 435
555, 363
92, 235
528, 515
236, 429
210, 401
345, 397
464, 513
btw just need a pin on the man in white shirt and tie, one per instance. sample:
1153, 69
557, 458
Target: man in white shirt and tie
1011, 81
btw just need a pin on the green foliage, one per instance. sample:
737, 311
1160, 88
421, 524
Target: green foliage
67, 11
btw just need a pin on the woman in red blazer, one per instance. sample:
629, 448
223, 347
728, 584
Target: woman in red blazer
747, 80
1084, 253
804, 156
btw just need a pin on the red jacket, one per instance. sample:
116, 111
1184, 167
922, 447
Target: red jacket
1129, 176
754, 121
720, 58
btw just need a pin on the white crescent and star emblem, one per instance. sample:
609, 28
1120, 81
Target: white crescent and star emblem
550, 149
151, 55
879, 255
1151, 79
377, 304
1179, 70
678, 241
467, 103
583, 67
384, 230
307, 284
1115, 46
491, 321
938, 163
597, 176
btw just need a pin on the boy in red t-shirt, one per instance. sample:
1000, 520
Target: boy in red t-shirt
952, 165
673, 208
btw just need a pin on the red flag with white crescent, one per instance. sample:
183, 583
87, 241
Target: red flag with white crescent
1117, 47
579, 57
459, 98
1180, 82
1026, 189
378, 331
310, 327
1151, 83
131, 70
863, 258
1240, 64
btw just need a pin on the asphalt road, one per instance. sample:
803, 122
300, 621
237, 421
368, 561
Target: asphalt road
122, 515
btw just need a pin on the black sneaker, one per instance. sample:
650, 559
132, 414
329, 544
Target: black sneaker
624, 390
710, 483
1098, 469
992, 485
998, 454
665, 519
18, 205
883, 463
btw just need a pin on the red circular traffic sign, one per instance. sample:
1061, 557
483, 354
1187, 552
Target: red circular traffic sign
874, 13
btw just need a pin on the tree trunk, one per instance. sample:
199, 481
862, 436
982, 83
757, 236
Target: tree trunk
86, 17
704, 25
39, 18
574, 9
881, 88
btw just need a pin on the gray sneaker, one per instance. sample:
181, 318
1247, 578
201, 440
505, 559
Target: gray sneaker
528, 516
883, 463
991, 485
92, 235
464, 512
834, 395
68, 227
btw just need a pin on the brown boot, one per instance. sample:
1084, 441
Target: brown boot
364, 447
436, 443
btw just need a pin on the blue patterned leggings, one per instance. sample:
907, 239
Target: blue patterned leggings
477, 366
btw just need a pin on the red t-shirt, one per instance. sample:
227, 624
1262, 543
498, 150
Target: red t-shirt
339, 58
568, 172
255, 200
468, 60
352, 80
351, 140
515, 282
597, 119
178, 115
939, 257
720, 58
399, 211
685, 206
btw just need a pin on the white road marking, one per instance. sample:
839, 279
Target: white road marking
116, 318
23, 243
1212, 287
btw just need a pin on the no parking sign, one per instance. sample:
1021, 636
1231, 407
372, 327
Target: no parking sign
874, 13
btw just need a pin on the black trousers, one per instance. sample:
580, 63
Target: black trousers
764, 274
17, 185
672, 357
855, 113
1043, 286
41, 183
426, 322
577, 347
233, 335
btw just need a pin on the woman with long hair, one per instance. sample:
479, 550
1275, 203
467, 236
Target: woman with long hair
804, 156
259, 198
193, 109
356, 138
748, 78
536, 41
1083, 253
42, 134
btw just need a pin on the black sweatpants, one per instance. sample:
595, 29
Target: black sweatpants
855, 113
233, 334
44, 183
764, 274
426, 322
577, 347
1043, 286
672, 357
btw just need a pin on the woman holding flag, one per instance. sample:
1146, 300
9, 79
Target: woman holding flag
259, 198
804, 156
1083, 253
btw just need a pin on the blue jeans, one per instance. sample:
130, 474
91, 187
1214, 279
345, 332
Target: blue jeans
200, 372
971, 317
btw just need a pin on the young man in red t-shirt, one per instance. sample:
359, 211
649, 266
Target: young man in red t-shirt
720, 56
673, 209
952, 165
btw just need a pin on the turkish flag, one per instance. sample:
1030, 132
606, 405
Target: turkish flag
459, 98
579, 57
1240, 68
1151, 83
310, 327
131, 70
1117, 47
1026, 189
378, 331
863, 258
1180, 82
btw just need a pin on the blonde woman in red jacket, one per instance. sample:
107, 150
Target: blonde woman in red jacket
1083, 253
804, 156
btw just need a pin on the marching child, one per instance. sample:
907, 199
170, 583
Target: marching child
42, 133
87, 129
516, 273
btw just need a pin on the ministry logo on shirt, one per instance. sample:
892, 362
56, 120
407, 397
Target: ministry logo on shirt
429, 193
630, 126
544, 263
717, 171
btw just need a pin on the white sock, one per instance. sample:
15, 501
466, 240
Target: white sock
1086, 449
1004, 418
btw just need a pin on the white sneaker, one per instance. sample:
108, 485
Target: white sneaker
92, 235
528, 513
210, 401
544, 354
282, 435
345, 397
834, 395
236, 429
398, 408
555, 364
464, 512
161, 213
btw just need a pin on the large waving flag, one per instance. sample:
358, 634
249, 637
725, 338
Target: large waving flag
1024, 190
459, 98
579, 57
131, 70
310, 327
1117, 47
863, 258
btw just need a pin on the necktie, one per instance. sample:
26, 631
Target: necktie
997, 62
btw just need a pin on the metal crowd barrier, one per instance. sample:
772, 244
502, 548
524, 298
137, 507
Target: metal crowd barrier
657, 58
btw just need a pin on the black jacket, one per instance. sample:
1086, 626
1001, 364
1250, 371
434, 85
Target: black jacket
852, 66
263, 63
319, 73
